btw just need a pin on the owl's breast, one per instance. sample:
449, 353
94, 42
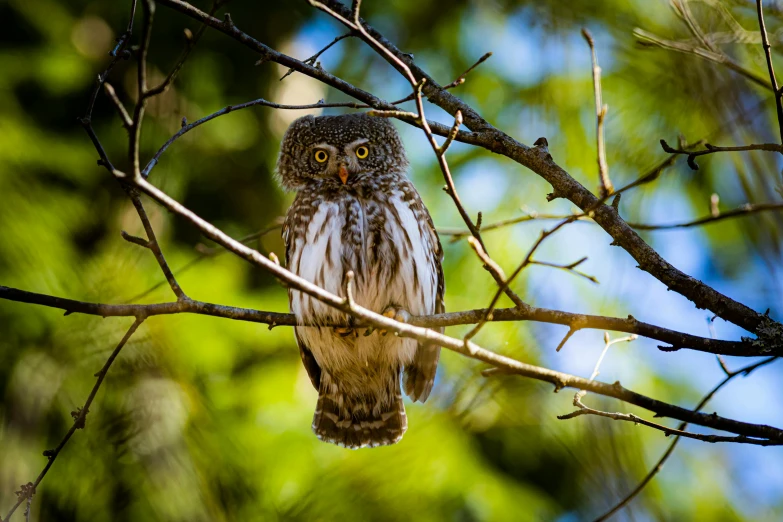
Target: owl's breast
315, 253
382, 242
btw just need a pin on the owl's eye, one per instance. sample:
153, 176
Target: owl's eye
362, 152
321, 156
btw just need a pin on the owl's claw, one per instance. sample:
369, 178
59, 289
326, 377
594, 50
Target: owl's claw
345, 331
396, 313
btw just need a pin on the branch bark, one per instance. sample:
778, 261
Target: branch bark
537, 159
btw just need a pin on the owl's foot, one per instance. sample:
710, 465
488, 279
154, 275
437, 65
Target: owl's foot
348, 330
396, 313
345, 331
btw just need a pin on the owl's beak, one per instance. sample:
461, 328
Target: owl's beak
343, 174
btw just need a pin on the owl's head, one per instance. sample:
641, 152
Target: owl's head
341, 150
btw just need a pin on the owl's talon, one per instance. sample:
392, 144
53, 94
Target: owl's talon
398, 314
344, 331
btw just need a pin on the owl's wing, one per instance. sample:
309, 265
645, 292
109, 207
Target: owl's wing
289, 236
420, 374
310, 364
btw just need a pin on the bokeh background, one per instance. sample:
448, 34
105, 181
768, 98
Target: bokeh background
209, 419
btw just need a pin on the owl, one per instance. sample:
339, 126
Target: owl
355, 210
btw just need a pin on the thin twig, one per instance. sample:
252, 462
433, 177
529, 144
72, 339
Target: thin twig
659, 465
79, 415
649, 39
607, 343
187, 127
744, 210
570, 268
123, 39
141, 86
152, 244
124, 116
457, 82
712, 149
506, 282
190, 42
600, 115
772, 80
630, 417
204, 252
314, 57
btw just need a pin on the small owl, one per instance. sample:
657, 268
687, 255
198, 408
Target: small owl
355, 210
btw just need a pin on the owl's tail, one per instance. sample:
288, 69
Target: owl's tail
359, 421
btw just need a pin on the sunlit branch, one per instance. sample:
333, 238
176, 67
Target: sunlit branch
600, 116
505, 283
543, 315
124, 116
570, 268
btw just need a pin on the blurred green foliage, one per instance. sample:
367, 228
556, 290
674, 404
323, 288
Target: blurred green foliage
209, 419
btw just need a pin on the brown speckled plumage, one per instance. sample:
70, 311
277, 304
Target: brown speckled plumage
375, 224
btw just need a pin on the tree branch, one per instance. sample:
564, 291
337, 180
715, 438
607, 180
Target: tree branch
540, 161
544, 315
79, 415
659, 465
600, 115
712, 149
768, 54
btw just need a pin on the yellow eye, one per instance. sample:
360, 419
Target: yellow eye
321, 156
362, 152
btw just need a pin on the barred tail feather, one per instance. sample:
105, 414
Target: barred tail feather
358, 422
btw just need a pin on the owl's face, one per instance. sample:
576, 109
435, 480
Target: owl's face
341, 150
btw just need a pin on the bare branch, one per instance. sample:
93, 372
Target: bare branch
647, 38
744, 210
79, 416
502, 364
504, 282
187, 127
772, 80
572, 320
571, 268
630, 417
659, 465
134, 239
124, 116
190, 42
453, 134
152, 244
123, 39
457, 82
313, 58
600, 113
712, 149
